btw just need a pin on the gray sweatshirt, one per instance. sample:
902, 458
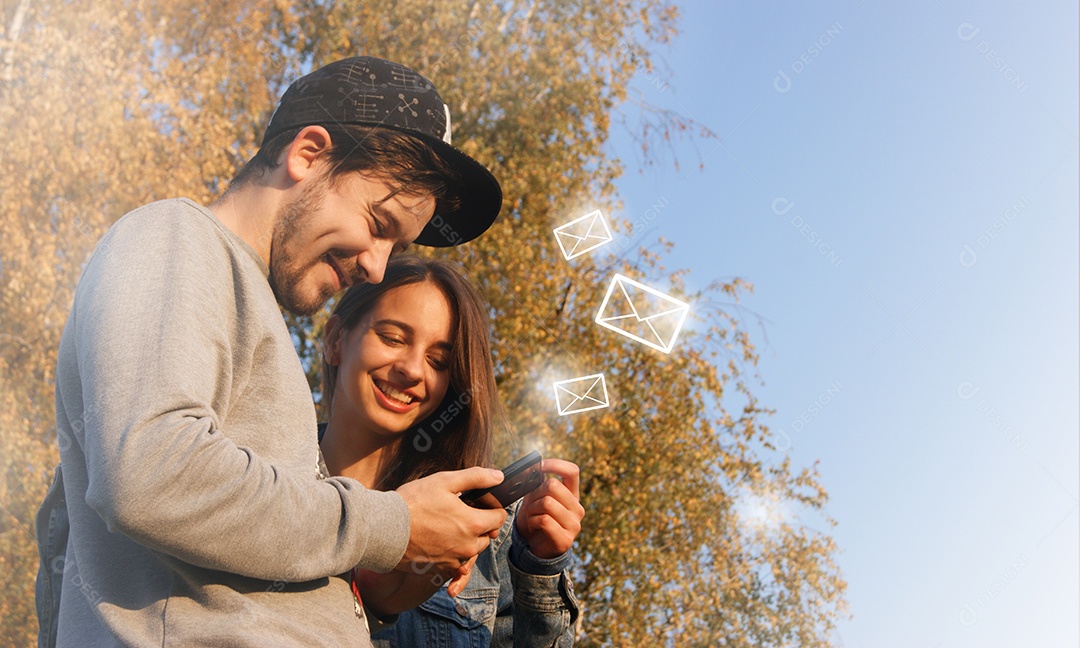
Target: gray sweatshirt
188, 443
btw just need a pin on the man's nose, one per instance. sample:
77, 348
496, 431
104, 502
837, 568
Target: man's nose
373, 262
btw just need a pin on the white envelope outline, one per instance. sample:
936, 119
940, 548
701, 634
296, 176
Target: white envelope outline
583, 234
642, 313
581, 394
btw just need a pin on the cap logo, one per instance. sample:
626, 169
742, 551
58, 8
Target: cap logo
446, 135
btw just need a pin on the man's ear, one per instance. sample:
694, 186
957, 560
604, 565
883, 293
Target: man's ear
332, 340
302, 156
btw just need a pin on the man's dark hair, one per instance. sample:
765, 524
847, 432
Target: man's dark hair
407, 163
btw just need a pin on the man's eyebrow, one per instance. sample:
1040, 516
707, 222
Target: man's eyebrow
409, 330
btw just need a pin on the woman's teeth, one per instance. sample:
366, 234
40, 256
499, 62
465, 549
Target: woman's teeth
392, 393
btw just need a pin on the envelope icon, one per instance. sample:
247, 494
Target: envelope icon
641, 313
583, 234
581, 394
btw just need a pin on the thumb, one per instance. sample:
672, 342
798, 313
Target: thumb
460, 481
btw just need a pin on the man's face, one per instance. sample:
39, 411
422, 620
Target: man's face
330, 237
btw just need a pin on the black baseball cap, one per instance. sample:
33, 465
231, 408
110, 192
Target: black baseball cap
370, 91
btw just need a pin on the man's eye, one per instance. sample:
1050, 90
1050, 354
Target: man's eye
378, 227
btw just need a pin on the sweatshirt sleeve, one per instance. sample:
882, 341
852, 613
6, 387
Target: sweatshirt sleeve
156, 345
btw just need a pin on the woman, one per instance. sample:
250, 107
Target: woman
409, 390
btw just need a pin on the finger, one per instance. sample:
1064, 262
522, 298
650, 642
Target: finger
558, 490
548, 539
545, 488
549, 507
457, 585
478, 544
533, 495
568, 470
485, 522
465, 568
459, 481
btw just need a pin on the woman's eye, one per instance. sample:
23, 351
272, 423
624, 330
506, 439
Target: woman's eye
439, 364
389, 339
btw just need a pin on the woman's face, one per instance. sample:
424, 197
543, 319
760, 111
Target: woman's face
394, 366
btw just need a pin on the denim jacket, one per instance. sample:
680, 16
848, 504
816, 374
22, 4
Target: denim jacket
502, 605
52, 532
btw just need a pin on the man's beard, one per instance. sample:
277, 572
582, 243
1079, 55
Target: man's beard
286, 273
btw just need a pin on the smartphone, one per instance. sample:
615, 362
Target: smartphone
519, 479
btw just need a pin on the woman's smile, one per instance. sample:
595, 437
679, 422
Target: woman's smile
393, 398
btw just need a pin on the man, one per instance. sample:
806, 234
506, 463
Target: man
188, 436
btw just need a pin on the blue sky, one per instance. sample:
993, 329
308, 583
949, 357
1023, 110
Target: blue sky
900, 185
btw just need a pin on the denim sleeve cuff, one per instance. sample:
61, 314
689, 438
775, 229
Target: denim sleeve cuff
529, 563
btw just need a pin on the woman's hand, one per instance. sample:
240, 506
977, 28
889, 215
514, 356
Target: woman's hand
404, 589
458, 582
550, 517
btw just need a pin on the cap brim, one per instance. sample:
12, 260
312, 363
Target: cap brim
480, 202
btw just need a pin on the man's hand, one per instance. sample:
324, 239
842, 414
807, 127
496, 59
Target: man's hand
550, 517
445, 532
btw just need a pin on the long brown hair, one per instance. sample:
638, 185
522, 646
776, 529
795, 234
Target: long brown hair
460, 432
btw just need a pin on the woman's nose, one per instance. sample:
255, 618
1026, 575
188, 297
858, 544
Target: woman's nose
409, 366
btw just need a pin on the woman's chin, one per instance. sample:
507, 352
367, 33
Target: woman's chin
393, 425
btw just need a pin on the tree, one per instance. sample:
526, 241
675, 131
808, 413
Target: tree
112, 104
